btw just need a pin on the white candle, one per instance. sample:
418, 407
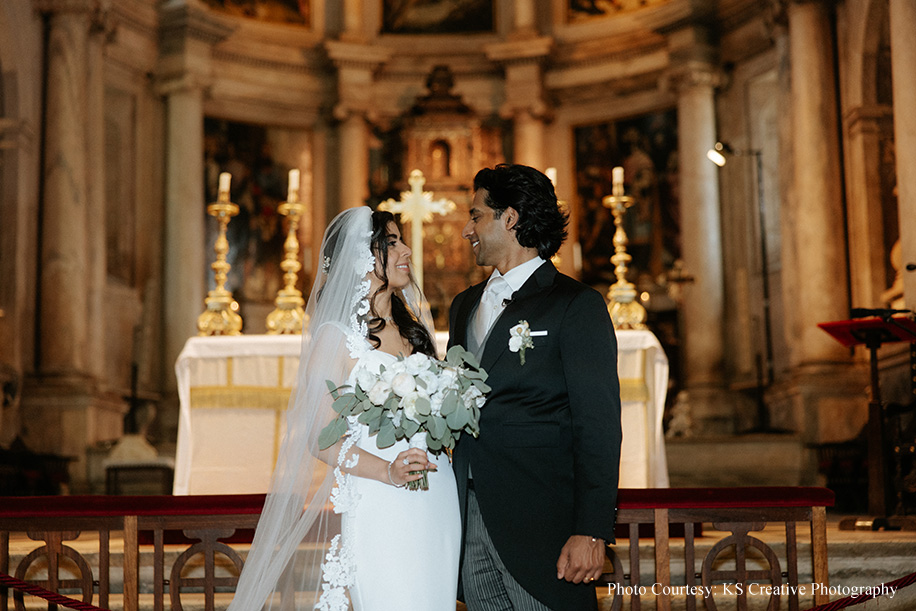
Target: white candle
552, 175
617, 176
224, 179
293, 193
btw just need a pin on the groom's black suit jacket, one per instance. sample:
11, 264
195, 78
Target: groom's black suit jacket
545, 465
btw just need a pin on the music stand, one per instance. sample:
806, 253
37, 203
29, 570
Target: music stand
872, 332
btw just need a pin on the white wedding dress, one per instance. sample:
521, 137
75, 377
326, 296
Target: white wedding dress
404, 543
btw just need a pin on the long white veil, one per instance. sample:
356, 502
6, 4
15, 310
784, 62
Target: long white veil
299, 528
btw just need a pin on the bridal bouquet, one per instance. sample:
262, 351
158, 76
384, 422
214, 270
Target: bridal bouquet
427, 401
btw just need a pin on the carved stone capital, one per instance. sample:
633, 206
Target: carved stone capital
691, 75
354, 55
182, 83
181, 23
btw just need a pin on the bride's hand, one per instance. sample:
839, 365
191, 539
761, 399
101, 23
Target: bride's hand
407, 467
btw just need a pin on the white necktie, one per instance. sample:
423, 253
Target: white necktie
491, 305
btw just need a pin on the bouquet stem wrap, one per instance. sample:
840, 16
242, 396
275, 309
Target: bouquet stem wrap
418, 440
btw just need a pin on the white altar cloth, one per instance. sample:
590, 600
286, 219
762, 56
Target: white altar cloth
643, 370
234, 392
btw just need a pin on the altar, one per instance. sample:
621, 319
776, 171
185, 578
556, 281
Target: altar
234, 393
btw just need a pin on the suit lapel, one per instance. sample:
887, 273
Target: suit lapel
462, 318
524, 300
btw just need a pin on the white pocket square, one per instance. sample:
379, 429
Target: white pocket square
537, 333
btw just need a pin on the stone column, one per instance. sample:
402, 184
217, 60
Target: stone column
701, 249
524, 23
356, 64
822, 396
819, 227
524, 86
63, 329
184, 273
95, 161
903, 66
63, 408
353, 21
184, 75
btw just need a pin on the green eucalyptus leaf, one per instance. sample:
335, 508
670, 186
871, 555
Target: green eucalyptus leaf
329, 435
423, 406
386, 436
449, 403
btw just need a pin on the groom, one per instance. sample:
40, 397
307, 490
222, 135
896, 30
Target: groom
538, 487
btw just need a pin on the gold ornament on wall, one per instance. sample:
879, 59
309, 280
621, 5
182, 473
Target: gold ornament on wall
288, 317
625, 311
221, 316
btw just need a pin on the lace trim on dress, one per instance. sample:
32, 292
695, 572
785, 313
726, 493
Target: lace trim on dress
338, 569
338, 576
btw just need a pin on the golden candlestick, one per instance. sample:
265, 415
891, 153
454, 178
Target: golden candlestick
625, 311
221, 316
288, 316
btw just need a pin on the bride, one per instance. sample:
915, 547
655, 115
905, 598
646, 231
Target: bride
339, 528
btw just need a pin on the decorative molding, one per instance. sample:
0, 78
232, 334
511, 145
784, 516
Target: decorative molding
690, 75
526, 50
356, 55
867, 117
179, 24
266, 64
70, 6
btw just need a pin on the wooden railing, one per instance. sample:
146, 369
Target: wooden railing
147, 523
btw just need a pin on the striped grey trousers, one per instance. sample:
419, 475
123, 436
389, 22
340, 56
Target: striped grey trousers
486, 581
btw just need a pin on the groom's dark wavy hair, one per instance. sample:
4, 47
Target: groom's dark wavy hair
541, 222
407, 324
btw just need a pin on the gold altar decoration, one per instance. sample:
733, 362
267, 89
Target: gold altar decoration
417, 207
221, 316
288, 316
626, 312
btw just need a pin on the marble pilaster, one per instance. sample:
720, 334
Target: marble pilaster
356, 64
701, 249
903, 66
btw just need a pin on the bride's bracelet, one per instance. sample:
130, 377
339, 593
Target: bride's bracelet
391, 480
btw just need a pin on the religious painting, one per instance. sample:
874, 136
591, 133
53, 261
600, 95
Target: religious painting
584, 10
437, 16
646, 148
259, 159
281, 11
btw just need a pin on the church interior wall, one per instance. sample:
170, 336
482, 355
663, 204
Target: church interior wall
20, 131
288, 80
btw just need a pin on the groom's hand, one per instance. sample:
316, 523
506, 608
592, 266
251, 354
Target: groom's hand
581, 559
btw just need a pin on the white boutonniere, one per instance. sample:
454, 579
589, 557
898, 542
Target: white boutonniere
520, 339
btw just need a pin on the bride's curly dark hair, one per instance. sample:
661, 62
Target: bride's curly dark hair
406, 322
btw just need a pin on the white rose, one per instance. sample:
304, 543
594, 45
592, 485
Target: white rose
448, 378
409, 404
415, 363
397, 367
435, 403
515, 343
519, 329
366, 379
431, 381
471, 395
402, 384
379, 392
